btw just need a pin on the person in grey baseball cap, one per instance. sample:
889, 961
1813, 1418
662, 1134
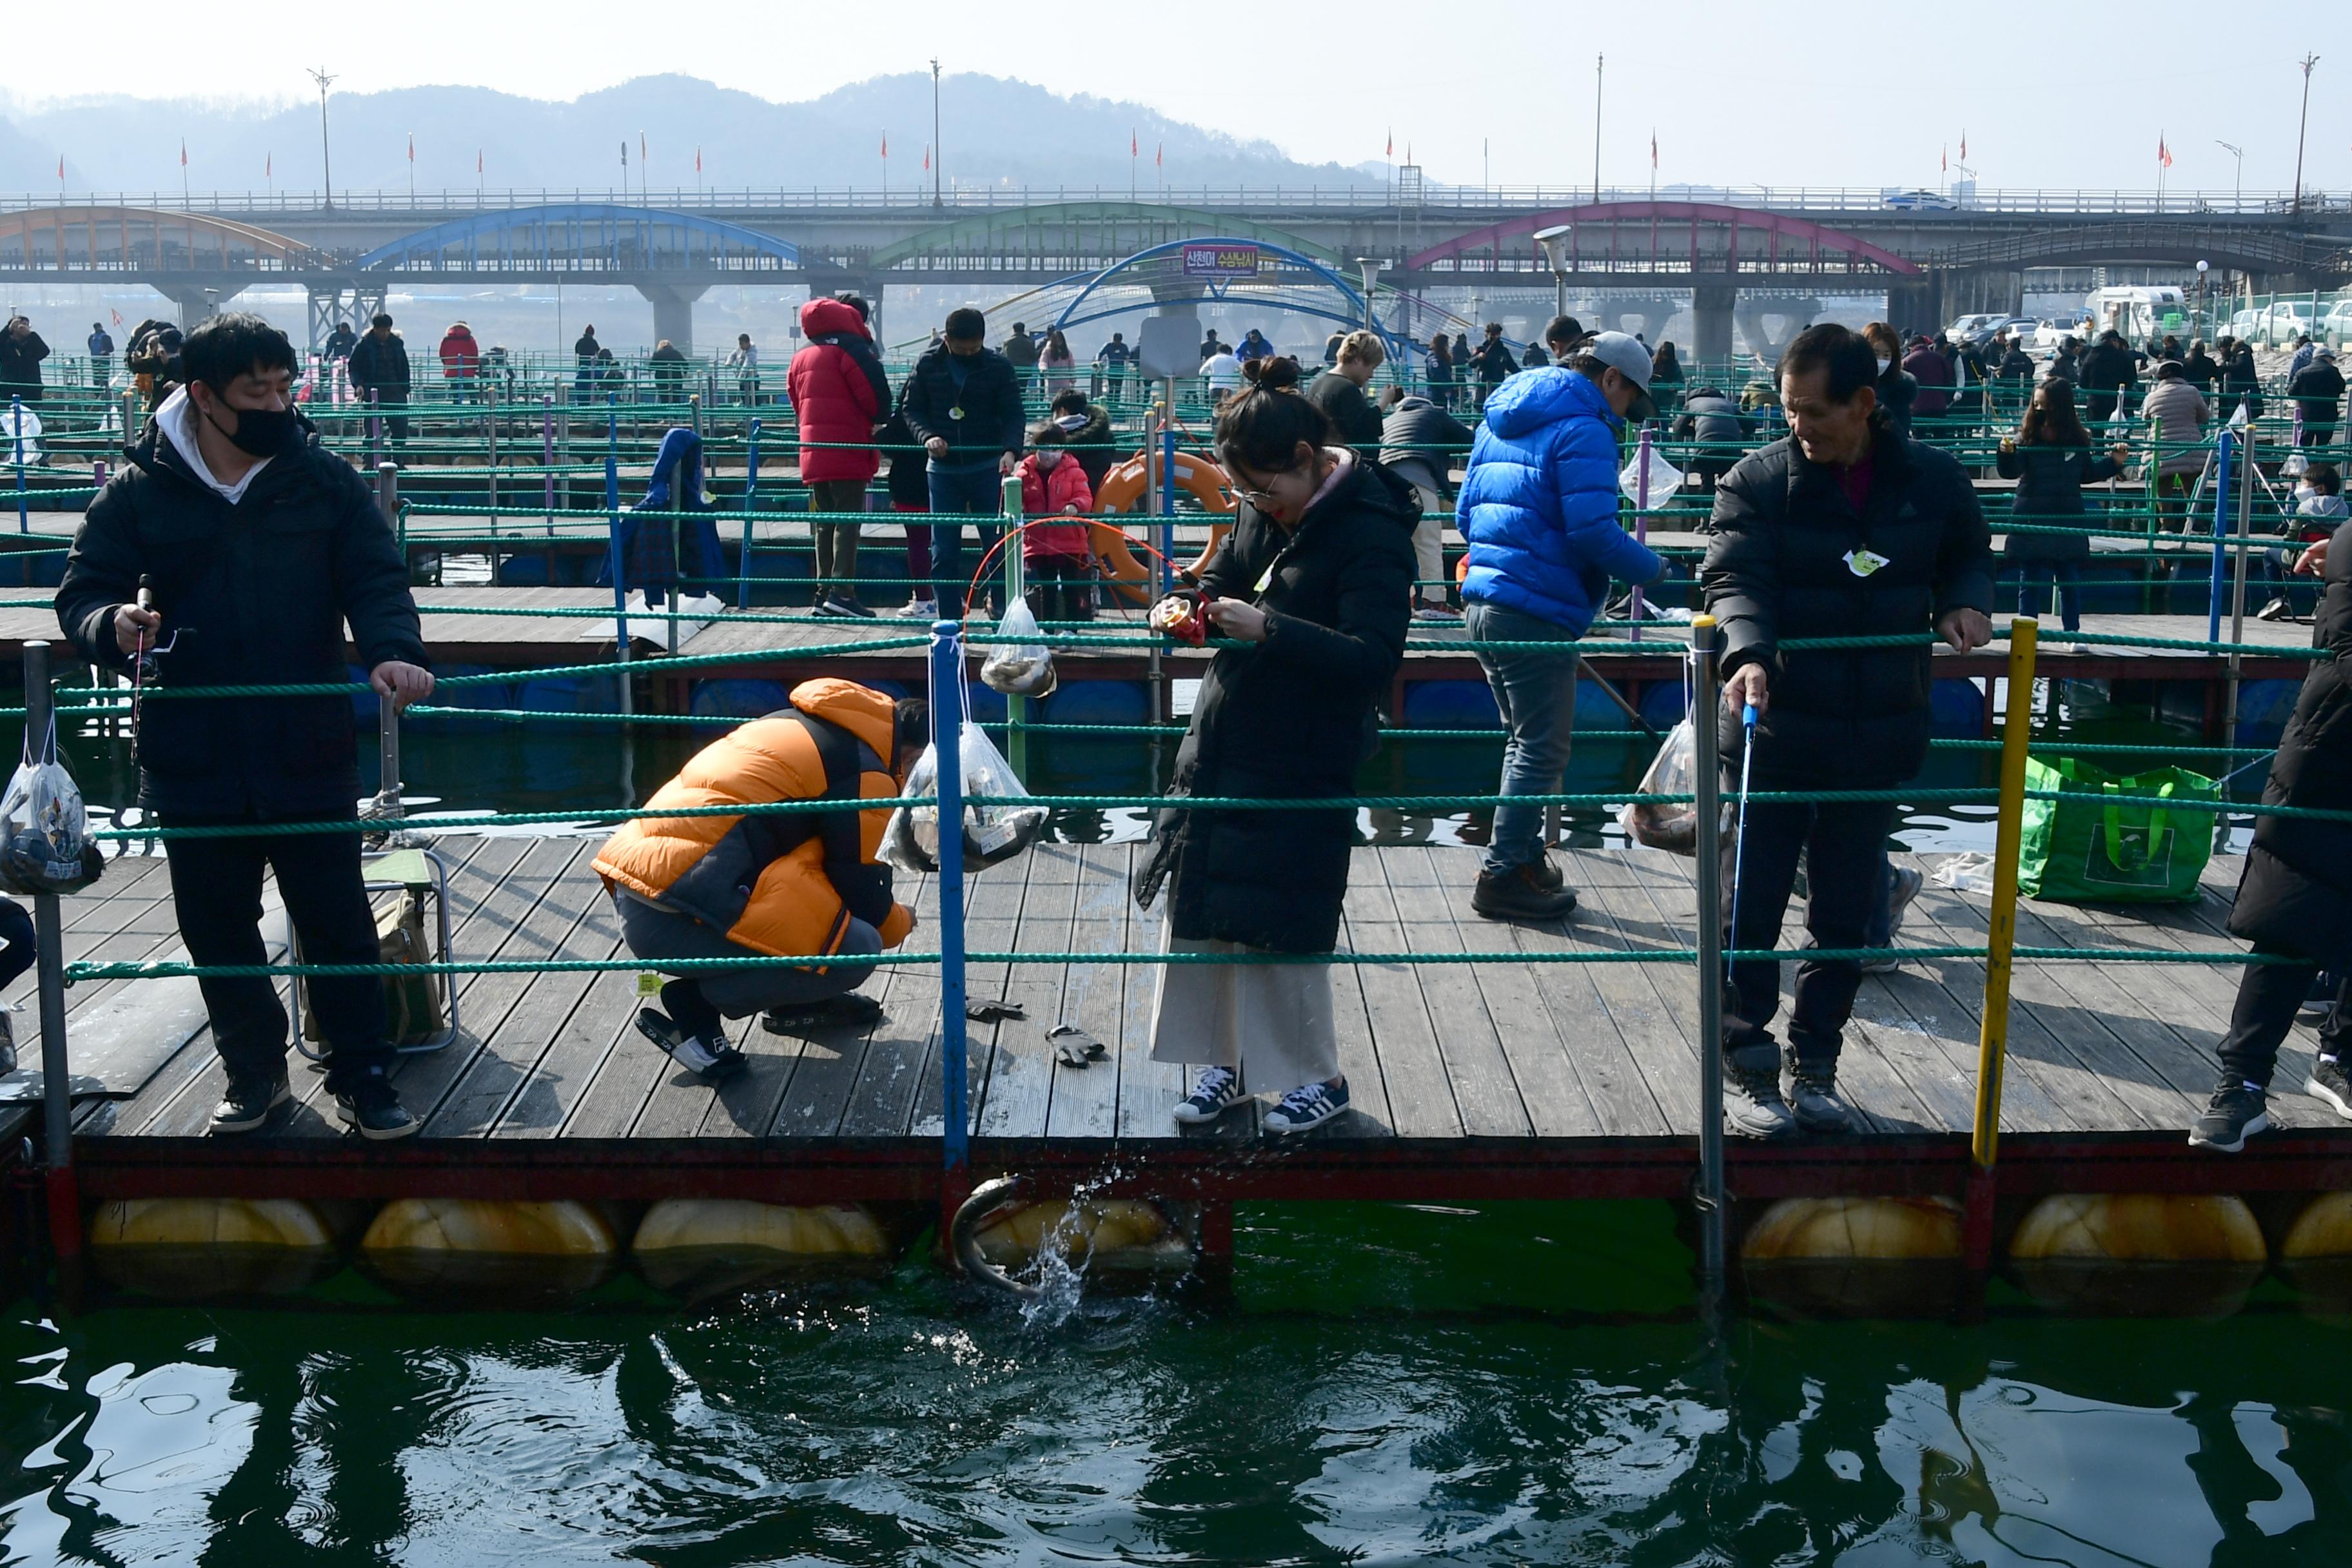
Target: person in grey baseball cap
1539, 508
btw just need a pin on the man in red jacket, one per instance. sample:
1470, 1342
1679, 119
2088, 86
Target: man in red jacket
839, 393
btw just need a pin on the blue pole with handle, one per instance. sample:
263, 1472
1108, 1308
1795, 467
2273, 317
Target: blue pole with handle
2221, 464
947, 731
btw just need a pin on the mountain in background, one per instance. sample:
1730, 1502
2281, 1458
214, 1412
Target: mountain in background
996, 130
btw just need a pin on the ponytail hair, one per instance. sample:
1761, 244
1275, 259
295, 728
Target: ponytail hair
1260, 428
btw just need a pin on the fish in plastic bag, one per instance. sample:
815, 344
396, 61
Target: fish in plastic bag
1668, 824
992, 833
45, 843
1020, 665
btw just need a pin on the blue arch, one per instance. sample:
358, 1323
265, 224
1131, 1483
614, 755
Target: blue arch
609, 222
1348, 291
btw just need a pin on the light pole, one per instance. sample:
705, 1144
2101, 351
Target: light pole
939, 158
326, 159
2301, 125
1554, 241
2238, 187
2203, 265
1370, 267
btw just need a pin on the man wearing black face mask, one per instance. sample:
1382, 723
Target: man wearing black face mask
258, 545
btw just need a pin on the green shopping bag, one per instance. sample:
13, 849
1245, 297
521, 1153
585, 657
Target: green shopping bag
2090, 847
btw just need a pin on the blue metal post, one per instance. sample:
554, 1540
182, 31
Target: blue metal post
613, 536
16, 430
1168, 506
947, 729
750, 505
2221, 464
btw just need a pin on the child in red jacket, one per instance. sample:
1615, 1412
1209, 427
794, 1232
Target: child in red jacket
1058, 557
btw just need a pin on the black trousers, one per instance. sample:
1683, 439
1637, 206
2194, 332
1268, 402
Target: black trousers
16, 931
2269, 996
216, 892
1842, 843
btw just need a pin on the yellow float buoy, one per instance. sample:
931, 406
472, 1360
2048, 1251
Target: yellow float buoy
1856, 1257
475, 1247
1117, 1235
702, 1246
188, 1248
2139, 1254
2316, 1254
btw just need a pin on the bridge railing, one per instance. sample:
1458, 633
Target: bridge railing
910, 195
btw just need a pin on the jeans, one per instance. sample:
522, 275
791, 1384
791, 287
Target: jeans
973, 492
836, 542
216, 894
2269, 994
1845, 848
2031, 574
1535, 691
653, 934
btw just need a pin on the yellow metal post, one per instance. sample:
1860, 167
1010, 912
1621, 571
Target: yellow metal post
1992, 1039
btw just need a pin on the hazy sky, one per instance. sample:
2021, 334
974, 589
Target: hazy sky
1861, 92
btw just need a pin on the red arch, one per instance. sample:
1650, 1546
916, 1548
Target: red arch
1815, 239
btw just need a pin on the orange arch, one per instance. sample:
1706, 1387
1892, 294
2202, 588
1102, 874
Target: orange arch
82, 238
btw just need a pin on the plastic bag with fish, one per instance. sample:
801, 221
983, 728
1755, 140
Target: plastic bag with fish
992, 834
1020, 664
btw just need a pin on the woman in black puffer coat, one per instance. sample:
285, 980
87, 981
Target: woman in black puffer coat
2295, 900
2051, 460
1313, 587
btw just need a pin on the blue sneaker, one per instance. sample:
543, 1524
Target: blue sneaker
1308, 1105
1216, 1091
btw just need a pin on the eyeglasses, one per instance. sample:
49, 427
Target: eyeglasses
1261, 500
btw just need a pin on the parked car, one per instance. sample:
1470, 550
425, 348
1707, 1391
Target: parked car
1975, 329
2335, 328
2280, 322
2048, 336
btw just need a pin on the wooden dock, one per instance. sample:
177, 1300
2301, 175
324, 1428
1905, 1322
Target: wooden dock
1511, 1078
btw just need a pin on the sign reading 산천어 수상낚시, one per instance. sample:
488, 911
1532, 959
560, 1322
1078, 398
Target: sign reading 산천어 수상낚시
1216, 261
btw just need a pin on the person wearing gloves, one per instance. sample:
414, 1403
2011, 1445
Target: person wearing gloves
1539, 508
775, 884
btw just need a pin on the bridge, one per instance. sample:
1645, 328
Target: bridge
1732, 253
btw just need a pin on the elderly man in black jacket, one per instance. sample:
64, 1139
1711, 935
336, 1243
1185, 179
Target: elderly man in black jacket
1842, 529
379, 370
257, 545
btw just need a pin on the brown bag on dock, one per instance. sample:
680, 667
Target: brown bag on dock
412, 1004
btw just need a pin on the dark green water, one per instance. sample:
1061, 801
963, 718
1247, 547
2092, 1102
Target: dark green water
1524, 1384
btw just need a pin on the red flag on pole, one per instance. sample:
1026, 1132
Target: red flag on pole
478, 160
926, 157
2163, 153
117, 315
1944, 161
61, 168
1133, 147
886, 143
1160, 155
269, 166
698, 160
184, 151
1964, 143
411, 146
1391, 152
1653, 149
642, 154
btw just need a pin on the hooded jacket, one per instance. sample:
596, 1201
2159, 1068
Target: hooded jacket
1291, 716
1779, 569
1933, 372
838, 393
2318, 391
670, 539
1095, 446
1045, 495
2295, 894
461, 356
20, 364
254, 593
1539, 504
777, 883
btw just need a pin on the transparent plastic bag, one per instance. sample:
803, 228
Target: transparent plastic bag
1664, 479
1021, 665
1673, 771
45, 843
992, 833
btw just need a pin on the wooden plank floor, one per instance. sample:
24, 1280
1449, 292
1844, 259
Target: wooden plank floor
1503, 1051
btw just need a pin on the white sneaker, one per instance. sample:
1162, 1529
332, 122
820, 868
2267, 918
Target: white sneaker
1216, 1091
918, 610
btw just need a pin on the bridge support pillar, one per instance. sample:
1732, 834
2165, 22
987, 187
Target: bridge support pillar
674, 310
1711, 306
198, 301
1916, 304
1983, 292
1769, 324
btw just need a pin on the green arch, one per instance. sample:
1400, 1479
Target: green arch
1156, 222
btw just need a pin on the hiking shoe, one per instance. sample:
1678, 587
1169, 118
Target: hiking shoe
1533, 892
372, 1109
2329, 1083
709, 1056
1437, 615
1214, 1092
250, 1100
1752, 1106
2235, 1114
1308, 1105
1814, 1100
847, 1009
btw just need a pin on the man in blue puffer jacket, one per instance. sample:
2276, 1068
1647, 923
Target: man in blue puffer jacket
1539, 510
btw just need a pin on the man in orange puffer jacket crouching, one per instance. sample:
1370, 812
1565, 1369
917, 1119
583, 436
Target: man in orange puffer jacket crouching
792, 884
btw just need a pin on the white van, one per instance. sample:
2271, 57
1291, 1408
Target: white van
2139, 313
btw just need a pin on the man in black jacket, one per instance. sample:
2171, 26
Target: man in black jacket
1420, 444
21, 354
2318, 392
1493, 359
964, 404
2108, 374
257, 544
1842, 529
379, 372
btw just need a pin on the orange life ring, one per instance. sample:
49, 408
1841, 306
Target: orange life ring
1122, 491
